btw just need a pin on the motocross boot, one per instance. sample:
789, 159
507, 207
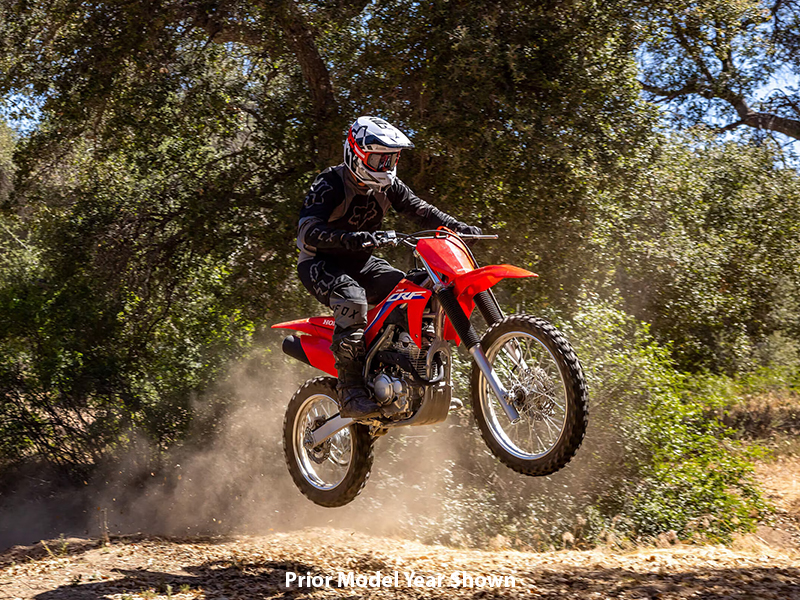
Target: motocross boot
354, 398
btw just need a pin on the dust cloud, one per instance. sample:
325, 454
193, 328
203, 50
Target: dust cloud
231, 481
432, 483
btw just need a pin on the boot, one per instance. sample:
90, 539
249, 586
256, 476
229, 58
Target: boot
354, 399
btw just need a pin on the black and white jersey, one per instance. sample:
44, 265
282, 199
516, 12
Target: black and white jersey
335, 205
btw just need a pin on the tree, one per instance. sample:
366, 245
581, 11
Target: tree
161, 186
7, 168
707, 251
712, 59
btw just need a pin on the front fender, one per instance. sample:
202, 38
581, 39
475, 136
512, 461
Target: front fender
474, 282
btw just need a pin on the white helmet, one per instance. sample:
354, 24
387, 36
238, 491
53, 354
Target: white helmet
371, 151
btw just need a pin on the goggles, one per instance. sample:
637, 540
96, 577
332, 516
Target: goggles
377, 161
382, 161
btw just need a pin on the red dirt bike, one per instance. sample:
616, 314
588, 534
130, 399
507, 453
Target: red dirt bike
528, 391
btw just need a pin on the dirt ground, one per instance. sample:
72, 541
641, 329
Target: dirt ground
758, 566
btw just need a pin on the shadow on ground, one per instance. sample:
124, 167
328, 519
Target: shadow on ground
267, 580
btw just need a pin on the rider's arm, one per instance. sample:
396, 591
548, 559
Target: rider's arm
425, 215
313, 231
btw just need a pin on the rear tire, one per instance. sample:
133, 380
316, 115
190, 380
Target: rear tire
335, 472
534, 360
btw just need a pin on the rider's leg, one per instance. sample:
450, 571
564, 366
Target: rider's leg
349, 304
378, 278
332, 286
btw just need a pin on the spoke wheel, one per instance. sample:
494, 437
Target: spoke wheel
539, 369
334, 472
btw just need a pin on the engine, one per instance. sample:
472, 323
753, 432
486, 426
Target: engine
388, 388
394, 387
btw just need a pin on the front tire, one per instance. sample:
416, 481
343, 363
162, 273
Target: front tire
537, 365
335, 472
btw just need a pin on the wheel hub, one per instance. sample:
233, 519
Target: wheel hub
533, 394
319, 454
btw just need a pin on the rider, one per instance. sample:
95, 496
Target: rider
337, 232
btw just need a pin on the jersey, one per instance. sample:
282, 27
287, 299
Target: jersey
335, 205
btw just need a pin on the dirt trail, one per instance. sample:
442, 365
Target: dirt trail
256, 567
760, 566
780, 483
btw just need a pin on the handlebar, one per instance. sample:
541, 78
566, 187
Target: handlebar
393, 238
438, 233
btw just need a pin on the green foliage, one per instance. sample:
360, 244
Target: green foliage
161, 182
707, 251
655, 459
147, 239
683, 467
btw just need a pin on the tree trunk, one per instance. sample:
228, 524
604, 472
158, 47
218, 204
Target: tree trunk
298, 33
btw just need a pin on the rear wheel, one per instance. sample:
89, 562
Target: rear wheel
539, 369
334, 472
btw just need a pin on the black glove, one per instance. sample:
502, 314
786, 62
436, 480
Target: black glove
364, 240
468, 229
358, 240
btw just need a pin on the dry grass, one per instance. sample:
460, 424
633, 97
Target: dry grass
780, 481
768, 416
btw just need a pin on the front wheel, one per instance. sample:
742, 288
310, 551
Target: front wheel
539, 369
333, 473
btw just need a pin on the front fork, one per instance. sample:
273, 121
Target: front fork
490, 309
502, 395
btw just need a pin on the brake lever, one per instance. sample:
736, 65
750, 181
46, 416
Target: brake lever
388, 238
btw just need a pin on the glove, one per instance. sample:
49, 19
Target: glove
468, 229
364, 240
358, 240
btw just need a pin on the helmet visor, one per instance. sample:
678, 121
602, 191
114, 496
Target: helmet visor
382, 161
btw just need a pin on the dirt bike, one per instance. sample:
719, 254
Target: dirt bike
528, 391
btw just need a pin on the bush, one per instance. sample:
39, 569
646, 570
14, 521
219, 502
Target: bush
705, 244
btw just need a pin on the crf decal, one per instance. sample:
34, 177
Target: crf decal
405, 296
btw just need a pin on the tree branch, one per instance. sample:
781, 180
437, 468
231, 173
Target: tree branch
223, 27
691, 87
747, 116
771, 122
301, 40
730, 127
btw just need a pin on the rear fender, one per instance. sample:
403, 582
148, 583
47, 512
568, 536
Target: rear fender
319, 326
316, 345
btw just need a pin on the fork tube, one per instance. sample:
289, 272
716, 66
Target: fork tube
437, 283
469, 336
488, 306
494, 382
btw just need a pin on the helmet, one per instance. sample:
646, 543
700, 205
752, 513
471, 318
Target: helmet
371, 151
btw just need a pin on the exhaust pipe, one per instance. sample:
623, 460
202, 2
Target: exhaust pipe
294, 348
